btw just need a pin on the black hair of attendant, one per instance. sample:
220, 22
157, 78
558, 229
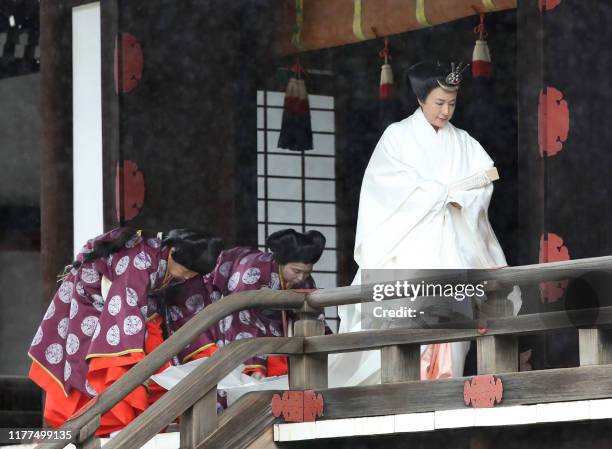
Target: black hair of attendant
195, 250
288, 245
424, 77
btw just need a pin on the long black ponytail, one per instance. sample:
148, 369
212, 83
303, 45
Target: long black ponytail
195, 250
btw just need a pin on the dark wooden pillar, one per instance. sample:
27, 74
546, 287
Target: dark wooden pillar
531, 199
56, 141
110, 27
530, 164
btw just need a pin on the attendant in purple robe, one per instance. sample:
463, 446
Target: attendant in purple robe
240, 269
94, 329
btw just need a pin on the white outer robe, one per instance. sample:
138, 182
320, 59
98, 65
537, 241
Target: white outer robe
406, 220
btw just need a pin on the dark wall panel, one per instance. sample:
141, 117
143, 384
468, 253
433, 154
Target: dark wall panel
189, 124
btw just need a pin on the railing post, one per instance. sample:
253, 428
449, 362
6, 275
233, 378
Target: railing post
399, 363
595, 346
87, 438
308, 371
199, 421
497, 354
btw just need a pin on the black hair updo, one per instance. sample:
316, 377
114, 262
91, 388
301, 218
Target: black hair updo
288, 246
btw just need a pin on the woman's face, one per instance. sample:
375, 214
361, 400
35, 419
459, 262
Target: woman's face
294, 273
439, 106
178, 271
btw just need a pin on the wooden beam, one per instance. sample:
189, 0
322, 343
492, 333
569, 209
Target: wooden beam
199, 421
520, 325
242, 424
87, 438
56, 142
497, 354
399, 363
530, 387
340, 22
111, 153
308, 371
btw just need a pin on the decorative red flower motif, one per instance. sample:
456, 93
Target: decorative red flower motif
483, 391
549, 4
130, 62
313, 405
298, 406
552, 249
553, 122
129, 191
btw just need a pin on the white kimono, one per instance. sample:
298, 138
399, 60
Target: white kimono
406, 219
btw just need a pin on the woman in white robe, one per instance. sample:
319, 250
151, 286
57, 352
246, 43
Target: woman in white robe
423, 204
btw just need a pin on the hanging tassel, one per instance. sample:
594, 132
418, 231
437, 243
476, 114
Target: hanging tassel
386, 93
481, 58
387, 88
296, 128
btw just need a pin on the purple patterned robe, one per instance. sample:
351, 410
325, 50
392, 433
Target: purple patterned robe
238, 269
80, 324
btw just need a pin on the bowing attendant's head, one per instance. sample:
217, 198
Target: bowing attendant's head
436, 88
296, 254
192, 252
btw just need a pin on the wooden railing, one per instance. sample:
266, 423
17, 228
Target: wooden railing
194, 398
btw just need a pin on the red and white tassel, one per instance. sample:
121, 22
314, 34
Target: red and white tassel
386, 82
481, 60
481, 57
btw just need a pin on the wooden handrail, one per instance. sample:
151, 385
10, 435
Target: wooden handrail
322, 298
184, 336
196, 384
508, 275
205, 377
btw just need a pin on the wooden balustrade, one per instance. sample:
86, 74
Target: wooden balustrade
194, 398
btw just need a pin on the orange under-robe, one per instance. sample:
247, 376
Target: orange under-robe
103, 371
437, 362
